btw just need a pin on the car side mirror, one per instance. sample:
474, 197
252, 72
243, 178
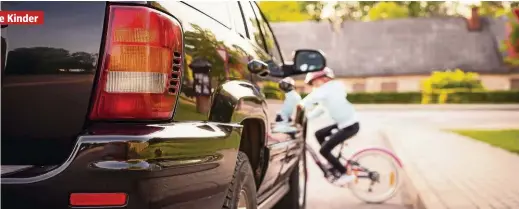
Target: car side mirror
308, 60
305, 61
259, 68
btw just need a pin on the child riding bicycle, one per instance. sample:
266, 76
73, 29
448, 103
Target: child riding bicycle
292, 98
330, 95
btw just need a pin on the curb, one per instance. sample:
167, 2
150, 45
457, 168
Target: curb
416, 193
384, 107
408, 107
410, 197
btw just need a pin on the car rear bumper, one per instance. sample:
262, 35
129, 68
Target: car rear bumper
180, 165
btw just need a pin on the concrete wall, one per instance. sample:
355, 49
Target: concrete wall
399, 47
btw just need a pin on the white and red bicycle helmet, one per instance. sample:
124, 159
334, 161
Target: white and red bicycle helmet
287, 84
318, 74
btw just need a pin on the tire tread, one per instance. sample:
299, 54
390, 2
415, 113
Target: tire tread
241, 160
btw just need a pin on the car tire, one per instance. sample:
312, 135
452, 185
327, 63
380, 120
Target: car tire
242, 187
296, 196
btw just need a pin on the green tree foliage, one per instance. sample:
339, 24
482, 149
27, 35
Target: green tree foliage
47, 60
491, 8
387, 10
363, 10
514, 34
497, 8
313, 8
271, 90
284, 11
343, 10
512, 41
206, 43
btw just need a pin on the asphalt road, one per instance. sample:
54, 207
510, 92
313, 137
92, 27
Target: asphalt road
321, 194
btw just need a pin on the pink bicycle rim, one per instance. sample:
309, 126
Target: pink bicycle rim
378, 150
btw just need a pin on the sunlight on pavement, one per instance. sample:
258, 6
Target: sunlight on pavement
336, 197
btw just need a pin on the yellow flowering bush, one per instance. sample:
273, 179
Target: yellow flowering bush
442, 83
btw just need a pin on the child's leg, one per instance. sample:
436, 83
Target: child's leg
283, 125
339, 137
279, 118
321, 134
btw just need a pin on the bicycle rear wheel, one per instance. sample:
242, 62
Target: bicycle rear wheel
379, 175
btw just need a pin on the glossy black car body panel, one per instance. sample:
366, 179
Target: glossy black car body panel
236, 92
48, 79
162, 165
203, 37
187, 162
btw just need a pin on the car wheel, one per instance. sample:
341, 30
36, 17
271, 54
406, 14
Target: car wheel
242, 190
296, 196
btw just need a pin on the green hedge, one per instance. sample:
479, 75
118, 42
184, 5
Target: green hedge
273, 95
498, 97
271, 91
385, 98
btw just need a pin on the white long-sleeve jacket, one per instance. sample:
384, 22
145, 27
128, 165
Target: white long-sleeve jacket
292, 98
332, 97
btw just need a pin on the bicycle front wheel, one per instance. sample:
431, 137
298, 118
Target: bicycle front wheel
378, 174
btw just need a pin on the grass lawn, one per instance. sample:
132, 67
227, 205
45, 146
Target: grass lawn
506, 139
186, 110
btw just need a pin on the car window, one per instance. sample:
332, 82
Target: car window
217, 10
270, 43
237, 17
252, 24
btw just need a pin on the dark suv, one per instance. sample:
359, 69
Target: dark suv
146, 105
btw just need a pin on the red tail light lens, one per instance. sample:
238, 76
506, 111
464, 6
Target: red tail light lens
141, 66
98, 199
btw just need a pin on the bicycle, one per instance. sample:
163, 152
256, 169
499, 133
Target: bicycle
352, 164
362, 172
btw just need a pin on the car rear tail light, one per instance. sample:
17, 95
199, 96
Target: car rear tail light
141, 66
97, 199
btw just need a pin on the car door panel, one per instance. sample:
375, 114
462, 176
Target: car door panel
277, 149
293, 143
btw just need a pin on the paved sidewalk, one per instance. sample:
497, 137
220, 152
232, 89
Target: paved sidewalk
323, 195
459, 107
453, 171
